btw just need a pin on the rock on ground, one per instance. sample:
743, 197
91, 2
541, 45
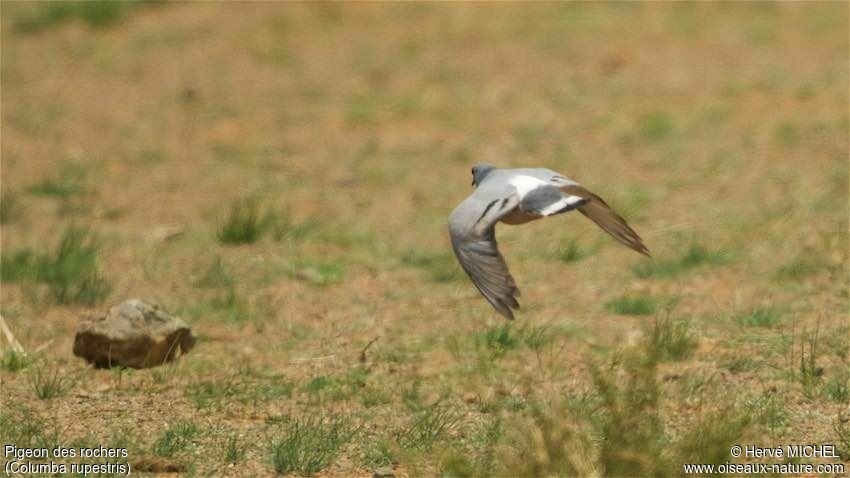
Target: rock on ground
132, 334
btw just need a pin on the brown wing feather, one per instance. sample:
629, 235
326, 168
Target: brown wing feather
598, 211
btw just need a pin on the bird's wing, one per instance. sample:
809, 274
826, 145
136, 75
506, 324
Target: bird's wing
472, 226
548, 200
598, 211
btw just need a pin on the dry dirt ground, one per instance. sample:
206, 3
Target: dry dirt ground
330, 141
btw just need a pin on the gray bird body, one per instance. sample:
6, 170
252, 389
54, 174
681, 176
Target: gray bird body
517, 196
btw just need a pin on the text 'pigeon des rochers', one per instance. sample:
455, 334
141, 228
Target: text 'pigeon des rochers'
517, 196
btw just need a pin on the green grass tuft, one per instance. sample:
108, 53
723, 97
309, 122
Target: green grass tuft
802, 359
175, 439
498, 340
377, 452
799, 269
428, 426
25, 428
709, 440
655, 126
738, 364
352, 385
317, 384
572, 251
310, 444
363, 110
12, 361
217, 275
94, 13
479, 458
228, 305
698, 254
694, 256
530, 136
787, 134
70, 273
631, 425
764, 316
672, 340
207, 393
637, 305
243, 225
19, 265
233, 451
69, 182
318, 273
837, 387
285, 228
767, 409
49, 382
621, 434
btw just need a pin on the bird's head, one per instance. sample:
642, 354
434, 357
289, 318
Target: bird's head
480, 171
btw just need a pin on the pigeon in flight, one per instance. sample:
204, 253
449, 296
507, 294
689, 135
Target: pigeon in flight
517, 196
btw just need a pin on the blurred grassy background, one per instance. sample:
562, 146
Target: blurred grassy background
280, 176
